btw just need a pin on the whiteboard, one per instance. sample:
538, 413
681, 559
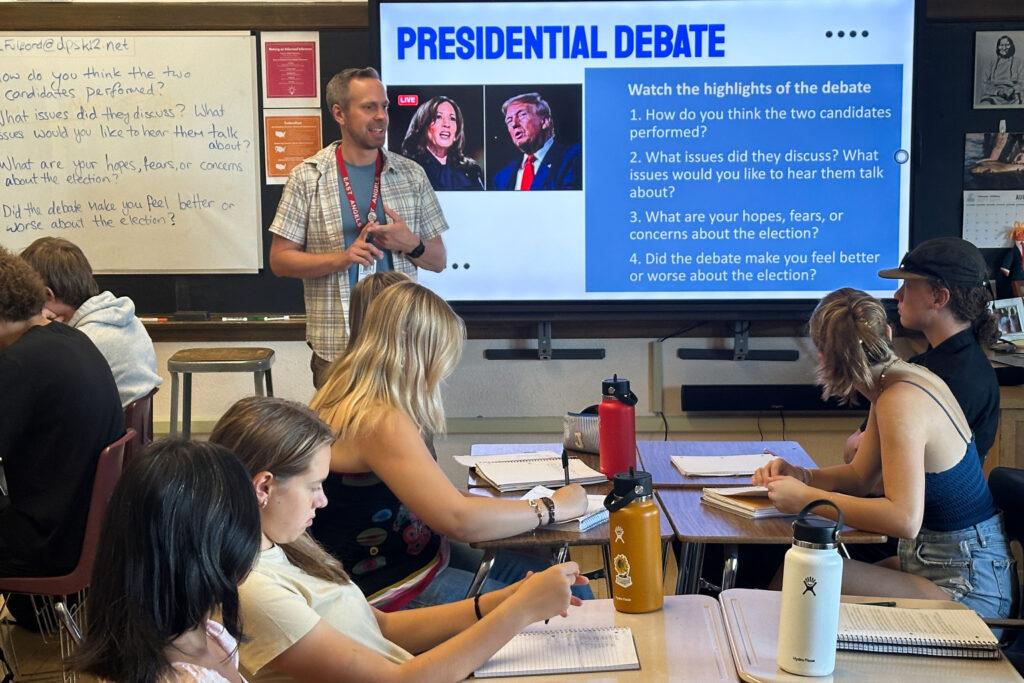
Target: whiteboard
141, 148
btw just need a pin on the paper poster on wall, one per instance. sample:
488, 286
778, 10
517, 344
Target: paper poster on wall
138, 147
993, 186
290, 135
291, 69
998, 70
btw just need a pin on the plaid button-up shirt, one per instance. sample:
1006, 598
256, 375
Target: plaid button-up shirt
310, 214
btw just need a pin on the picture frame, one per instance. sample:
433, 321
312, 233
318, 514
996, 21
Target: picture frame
1010, 318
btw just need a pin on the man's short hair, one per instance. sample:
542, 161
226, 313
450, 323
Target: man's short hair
337, 93
533, 98
22, 293
64, 269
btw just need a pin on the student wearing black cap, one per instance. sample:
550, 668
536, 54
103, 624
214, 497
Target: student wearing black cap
945, 295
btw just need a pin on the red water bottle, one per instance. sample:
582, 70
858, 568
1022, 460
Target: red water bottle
616, 427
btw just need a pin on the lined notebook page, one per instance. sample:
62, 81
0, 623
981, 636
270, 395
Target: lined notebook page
525, 474
563, 651
720, 465
957, 633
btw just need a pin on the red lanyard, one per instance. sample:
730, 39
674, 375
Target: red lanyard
371, 215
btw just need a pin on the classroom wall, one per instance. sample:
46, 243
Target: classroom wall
523, 401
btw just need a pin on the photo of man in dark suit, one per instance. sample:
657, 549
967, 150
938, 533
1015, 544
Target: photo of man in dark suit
545, 163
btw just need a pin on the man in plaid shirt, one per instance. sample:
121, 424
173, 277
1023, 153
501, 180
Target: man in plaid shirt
326, 231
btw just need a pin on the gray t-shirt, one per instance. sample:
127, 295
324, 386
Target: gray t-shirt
362, 187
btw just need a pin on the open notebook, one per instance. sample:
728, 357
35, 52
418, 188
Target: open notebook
596, 514
564, 651
747, 501
522, 475
720, 465
935, 632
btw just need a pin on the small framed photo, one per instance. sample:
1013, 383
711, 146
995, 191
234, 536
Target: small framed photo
1010, 318
998, 70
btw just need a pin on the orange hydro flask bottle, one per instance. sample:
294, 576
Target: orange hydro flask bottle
634, 527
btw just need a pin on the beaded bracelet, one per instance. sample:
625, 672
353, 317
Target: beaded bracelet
550, 505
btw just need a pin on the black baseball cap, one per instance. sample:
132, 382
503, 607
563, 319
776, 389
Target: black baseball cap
950, 260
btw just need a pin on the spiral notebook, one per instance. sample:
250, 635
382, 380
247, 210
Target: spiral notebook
933, 632
522, 475
596, 514
564, 651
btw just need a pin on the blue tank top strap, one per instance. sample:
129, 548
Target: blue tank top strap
938, 403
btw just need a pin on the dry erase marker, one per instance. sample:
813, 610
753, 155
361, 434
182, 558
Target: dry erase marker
154, 320
238, 318
277, 317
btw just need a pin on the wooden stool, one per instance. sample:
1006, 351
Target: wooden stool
255, 360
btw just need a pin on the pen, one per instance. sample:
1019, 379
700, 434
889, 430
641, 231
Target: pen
887, 603
565, 465
563, 552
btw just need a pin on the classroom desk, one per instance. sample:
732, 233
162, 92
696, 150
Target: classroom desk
752, 623
546, 537
684, 641
656, 458
696, 525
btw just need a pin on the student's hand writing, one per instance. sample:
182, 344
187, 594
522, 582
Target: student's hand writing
787, 494
776, 468
361, 251
544, 594
570, 502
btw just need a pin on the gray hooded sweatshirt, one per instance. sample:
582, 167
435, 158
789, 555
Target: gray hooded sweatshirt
122, 339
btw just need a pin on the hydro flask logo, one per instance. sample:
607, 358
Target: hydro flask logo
809, 583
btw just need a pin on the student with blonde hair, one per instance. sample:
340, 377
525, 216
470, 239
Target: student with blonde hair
306, 620
396, 508
918, 444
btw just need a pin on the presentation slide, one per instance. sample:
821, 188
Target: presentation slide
703, 150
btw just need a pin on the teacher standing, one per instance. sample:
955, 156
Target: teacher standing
351, 209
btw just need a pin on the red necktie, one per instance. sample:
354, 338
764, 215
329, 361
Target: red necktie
527, 173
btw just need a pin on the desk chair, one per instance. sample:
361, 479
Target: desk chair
1007, 486
138, 415
256, 360
48, 591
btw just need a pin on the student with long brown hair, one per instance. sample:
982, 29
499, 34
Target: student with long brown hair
306, 619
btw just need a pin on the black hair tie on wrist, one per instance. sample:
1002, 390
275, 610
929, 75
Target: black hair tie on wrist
476, 607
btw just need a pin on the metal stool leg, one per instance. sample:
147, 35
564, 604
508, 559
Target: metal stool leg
270, 383
257, 378
486, 562
186, 412
174, 403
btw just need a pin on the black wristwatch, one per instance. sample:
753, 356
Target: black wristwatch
418, 251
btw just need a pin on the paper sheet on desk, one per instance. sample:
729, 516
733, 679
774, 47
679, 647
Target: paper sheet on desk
720, 465
472, 460
595, 515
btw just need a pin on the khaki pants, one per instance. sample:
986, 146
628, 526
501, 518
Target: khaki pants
319, 366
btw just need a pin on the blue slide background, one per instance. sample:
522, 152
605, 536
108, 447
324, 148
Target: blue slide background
870, 206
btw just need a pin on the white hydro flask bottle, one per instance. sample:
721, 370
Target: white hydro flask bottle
811, 584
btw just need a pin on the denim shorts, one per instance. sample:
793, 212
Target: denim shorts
973, 565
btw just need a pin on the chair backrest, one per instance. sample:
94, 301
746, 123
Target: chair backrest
1007, 486
108, 471
139, 416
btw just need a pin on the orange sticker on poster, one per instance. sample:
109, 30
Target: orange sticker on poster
289, 140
